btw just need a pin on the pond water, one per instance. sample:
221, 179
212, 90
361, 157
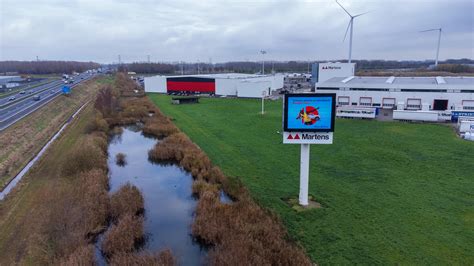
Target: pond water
167, 190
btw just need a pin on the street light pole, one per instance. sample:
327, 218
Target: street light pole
263, 52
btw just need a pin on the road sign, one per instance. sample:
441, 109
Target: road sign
66, 90
308, 119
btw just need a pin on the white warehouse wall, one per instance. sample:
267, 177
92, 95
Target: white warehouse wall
253, 89
331, 70
155, 84
226, 87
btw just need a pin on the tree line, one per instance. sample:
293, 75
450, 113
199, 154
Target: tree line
45, 67
451, 65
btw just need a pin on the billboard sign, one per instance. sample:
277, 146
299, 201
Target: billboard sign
308, 119
309, 112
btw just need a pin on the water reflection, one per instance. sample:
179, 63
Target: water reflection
166, 188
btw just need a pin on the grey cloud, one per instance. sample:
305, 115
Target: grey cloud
231, 30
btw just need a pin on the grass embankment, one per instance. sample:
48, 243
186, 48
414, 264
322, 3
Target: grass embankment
391, 192
50, 212
23, 140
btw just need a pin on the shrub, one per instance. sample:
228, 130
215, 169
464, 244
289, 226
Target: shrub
98, 124
123, 236
126, 201
85, 155
120, 159
106, 102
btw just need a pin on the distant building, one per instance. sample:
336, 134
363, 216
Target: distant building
231, 84
7, 82
324, 71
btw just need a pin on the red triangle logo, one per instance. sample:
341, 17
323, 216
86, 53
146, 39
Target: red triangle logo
297, 136
290, 137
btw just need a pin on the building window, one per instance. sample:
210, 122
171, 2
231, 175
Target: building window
343, 100
388, 102
365, 101
468, 104
413, 104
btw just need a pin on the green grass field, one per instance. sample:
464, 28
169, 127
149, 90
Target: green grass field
391, 192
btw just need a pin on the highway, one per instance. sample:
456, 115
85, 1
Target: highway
28, 91
12, 112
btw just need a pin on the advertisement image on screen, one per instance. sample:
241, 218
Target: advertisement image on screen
309, 112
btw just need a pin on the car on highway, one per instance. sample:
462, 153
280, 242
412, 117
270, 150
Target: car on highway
22, 92
11, 98
51, 91
36, 98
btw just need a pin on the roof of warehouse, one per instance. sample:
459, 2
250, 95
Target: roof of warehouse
221, 75
400, 80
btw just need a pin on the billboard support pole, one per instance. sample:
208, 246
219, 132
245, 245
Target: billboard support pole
304, 175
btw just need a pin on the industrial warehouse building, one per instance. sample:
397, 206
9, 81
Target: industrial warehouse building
232, 84
407, 93
420, 98
7, 82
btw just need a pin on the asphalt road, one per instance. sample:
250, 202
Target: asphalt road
10, 113
28, 92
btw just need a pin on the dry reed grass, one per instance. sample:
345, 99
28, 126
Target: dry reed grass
86, 154
123, 237
83, 255
163, 258
120, 159
128, 200
243, 234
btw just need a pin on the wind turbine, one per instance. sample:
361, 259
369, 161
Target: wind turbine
263, 52
350, 25
439, 41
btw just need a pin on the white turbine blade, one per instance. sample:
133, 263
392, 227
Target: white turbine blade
429, 30
344, 9
361, 14
348, 25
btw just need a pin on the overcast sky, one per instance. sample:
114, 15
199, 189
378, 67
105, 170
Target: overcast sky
175, 30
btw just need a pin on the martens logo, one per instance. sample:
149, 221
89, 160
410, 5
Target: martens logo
331, 67
309, 136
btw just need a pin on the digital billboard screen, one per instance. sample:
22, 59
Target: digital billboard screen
309, 112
